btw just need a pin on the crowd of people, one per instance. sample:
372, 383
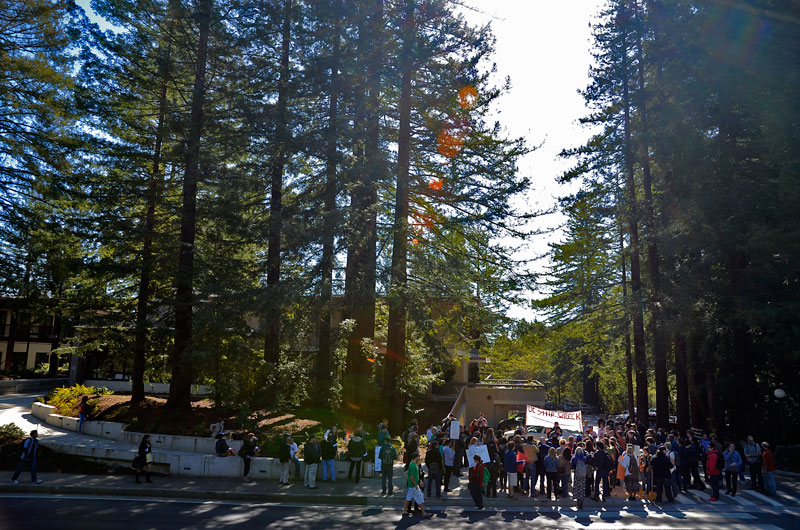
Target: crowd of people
642, 462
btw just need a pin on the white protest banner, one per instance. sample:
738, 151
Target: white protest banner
480, 450
570, 421
455, 430
378, 458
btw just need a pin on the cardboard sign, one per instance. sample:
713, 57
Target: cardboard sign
378, 458
480, 450
570, 421
455, 430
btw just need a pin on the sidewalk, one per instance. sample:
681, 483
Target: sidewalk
341, 492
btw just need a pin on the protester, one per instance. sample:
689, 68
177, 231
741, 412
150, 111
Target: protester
531, 458
29, 456
630, 464
563, 468
769, 469
661, 474
494, 462
602, 464
645, 470
693, 456
311, 455
449, 455
357, 448
434, 463
475, 481
580, 468
733, 465
387, 454
284, 456
294, 451
328, 449
752, 452
510, 466
714, 465
414, 491
145, 456
551, 472
383, 434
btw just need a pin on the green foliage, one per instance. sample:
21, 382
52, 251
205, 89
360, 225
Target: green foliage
66, 398
10, 433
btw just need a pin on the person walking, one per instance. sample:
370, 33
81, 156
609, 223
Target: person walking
770, 488
714, 465
733, 465
631, 466
311, 455
145, 456
29, 456
83, 413
414, 492
387, 454
580, 469
475, 482
662, 466
357, 448
752, 453
328, 450
284, 456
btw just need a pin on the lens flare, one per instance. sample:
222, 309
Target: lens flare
467, 97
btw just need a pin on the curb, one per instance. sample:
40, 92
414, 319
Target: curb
289, 498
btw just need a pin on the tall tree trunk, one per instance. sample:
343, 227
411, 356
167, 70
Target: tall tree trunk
12, 337
681, 383
180, 387
329, 218
145, 278
626, 308
55, 339
361, 254
659, 347
272, 339
639, 354
396, 341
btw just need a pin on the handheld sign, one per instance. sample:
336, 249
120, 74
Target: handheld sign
480, 450
455, 430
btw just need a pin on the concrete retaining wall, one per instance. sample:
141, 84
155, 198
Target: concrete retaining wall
149, 388
18, 386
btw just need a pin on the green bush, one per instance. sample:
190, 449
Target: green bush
66, 398
10, 433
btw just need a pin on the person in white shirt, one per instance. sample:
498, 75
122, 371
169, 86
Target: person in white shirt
293, 450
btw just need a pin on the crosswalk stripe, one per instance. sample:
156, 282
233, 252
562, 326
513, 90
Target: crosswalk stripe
683, 499
740, 500
763, 498
787, 497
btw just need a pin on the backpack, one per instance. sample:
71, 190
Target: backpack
720, 465
677, 457
222, 446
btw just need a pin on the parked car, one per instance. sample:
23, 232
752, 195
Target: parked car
569, 406
511, 423
587, 409
549, 405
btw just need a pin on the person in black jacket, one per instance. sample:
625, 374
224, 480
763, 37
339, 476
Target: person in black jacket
435, 465
284, 455
602, 464
311, 455
328, 448
661, 474
145, 457
357, 447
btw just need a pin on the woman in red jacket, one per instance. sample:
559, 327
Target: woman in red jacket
476, 481
715, 464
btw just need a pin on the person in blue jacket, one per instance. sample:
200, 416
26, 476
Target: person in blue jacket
733, 464
510, 467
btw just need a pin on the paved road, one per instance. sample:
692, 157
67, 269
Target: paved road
26, 512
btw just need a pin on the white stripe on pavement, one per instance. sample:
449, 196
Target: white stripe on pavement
740, 500
787, 497
763, 498
683, 499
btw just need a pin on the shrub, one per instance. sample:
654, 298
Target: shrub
66, 398
10, 433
